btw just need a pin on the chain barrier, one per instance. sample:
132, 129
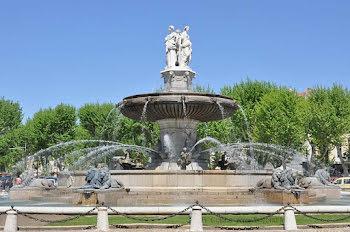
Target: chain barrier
55, 221
242, 220
319, 219
179, 213
150, 219
5, 212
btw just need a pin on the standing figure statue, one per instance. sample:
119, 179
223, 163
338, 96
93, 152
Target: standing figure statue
185, 48
185, 159
178, 47
171, 43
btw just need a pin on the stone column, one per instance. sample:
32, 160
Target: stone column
11, 224
196, 219
175, 134
102, 219
289, 219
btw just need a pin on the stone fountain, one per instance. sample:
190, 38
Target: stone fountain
177, 173
178, 109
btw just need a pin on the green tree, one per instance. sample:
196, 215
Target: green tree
281, 117
51, 126
247, 94
15, 146
104, 121
100, 120
10, 115
10, 120
330, 119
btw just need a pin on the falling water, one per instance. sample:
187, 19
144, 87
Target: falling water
222, 110
96, 150
246, 121
210, 139
276, 151
116, 124
184, 108
144, 119
169, 146
144, 111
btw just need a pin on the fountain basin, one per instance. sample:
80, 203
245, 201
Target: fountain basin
161, 188
200, 107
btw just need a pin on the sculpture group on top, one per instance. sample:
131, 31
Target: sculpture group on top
178, 47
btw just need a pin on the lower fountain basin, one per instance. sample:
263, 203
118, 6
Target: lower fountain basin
196, 106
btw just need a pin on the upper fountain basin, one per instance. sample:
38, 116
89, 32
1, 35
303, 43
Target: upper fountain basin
166, 105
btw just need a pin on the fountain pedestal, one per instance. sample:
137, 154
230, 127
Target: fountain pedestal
178, 79
175, 134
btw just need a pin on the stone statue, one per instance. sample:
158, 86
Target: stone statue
185, 48
323, 176
29, 180
100, 179
319, 179
178, 47
185, 159
171, 43
307, 182
281, 179
223, 163
107, 181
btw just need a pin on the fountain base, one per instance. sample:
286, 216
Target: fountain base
176, 134
158, 188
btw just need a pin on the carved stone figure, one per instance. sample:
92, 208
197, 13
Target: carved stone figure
307, 182
171, 43
185, 159
178, 48
100, 179
126, 162
281, 179
323, 176
29, 180
185, 48
92, 179
223, 163
107, 181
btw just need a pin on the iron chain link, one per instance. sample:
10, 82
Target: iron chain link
320, 219
180, 213
151, 219
242, 220
55, 221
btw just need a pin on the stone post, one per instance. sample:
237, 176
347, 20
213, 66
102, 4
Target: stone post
11, 222
196, 219
289, 219
102, 219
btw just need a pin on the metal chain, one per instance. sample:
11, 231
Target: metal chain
151, 219
5, 212
55, 221
242, 220
319, 219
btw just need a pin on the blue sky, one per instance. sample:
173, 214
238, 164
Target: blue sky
84, 51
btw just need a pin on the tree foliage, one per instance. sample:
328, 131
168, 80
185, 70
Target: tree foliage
329, 118
247, 94
10, 115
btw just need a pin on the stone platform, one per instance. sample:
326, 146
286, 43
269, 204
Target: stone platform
166, 188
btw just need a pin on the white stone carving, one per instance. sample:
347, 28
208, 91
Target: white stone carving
185, 48
171, 42
178, 48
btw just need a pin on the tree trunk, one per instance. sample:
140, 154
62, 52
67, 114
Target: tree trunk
340, 155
